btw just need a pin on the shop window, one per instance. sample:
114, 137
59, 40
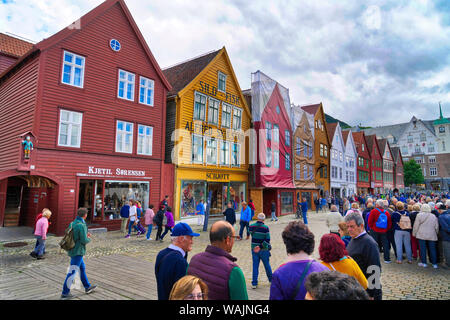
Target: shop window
70, 128
145, 140
118, 192
287, 202
225, 153
191, 193
197, 149
213, 111
237, 118
211, 151
124, 137
126, 85
73, 69
226, 115
199, 106
146, 91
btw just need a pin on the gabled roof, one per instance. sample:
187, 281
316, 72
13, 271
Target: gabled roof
12, 46
345, 134
371, 139
396, 154
79, 25
331, 129
382, 145
183, 73
312, 109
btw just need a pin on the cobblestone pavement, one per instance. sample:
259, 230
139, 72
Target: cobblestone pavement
400, 282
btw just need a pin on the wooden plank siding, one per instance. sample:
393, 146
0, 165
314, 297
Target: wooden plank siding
6, 62
17, 102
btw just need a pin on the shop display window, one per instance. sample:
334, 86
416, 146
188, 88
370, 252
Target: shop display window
191, 193
116, 193
287, 202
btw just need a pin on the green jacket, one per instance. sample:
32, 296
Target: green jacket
80, 237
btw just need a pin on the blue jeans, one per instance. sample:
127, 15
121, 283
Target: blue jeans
274, 216
431, 246
305, 219
244, 224
165, 231
76, 263
382, 237
39, 249
263, 255
403, 238
149, 230
130, 224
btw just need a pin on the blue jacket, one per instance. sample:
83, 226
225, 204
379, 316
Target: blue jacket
246, 215
444, 225
304, 206
125, 211
170, 266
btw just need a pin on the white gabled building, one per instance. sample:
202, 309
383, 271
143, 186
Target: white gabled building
351, 154
338, 183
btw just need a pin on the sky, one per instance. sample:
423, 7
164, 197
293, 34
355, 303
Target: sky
369, 62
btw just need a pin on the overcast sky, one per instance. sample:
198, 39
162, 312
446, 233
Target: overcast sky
369, 62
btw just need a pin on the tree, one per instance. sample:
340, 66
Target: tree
413, 173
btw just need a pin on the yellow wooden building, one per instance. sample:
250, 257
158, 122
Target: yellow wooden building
207, 122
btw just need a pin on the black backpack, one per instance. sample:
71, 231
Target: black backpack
159, 217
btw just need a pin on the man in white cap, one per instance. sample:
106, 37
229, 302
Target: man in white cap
171, 263
260, 248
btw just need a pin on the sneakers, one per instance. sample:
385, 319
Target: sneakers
398, 262
387, 262
90, 289
40, 257
148, 239
435, 266
254, 287
66, 296
127, 236
33, 254
420, 264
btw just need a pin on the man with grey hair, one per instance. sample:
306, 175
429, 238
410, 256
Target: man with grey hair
444, 227
379, 223
364, 250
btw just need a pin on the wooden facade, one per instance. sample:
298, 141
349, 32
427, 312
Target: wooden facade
376, 165
91, 172
388, 165
207, 120
363, 163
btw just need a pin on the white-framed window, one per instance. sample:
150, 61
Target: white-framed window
298, 145
268, 131
321, 150
433, 172
146, 91
268, 157
417, 149
199, 106
276, 133
287, 137
211, 151
213, 111
276, 159
432, 159
362, 147
423, 137
305, 172
70, 128
222, 82
424, 172
224, 153
297, 171
124, 137
287, 161
430, 147
197, 149
405, 150
410, 138
237, 118
236, 155
126, 85
145, 140
341, 157
305, 149
226, 115
311, 176
340, 173
73, 69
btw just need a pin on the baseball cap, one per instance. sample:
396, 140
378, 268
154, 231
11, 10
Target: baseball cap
183, 229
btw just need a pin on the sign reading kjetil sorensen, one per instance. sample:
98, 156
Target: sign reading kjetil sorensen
92, 170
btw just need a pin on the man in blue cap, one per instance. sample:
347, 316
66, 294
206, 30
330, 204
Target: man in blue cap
171, 263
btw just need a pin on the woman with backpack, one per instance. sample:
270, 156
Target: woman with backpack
169, 223
402, 232
425, 229
158, 221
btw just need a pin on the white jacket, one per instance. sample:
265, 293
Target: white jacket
426, 227
333, 219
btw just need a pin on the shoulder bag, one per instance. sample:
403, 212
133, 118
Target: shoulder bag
300, 281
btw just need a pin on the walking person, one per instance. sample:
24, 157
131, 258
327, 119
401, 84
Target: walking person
133, 219
165, 202
273, 210
379, 223
217, 267
333, 219
244, 222
171, 263
158, 219
230, 214
304, 206
317, 204
260, 248
288, 280
81, 237
170, 222
364, 250
402, 233
40, 233
124, 216
426, 228
200, 212
148, 220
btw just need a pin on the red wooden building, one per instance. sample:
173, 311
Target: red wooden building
363, 163
376, 165
399, 182
92, 98
272, 173
11, 49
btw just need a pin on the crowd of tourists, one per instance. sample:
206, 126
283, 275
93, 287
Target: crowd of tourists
349, 267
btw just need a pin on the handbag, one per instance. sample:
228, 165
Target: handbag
300, 281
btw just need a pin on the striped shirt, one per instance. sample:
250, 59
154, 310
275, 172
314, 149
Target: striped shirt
260, 235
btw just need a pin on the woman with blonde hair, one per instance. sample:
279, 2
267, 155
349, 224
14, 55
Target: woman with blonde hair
40, 233
189, 288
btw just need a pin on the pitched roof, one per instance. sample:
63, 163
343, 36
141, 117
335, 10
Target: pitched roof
79, 26
382, 145
371, 139
345, 135
13, 46
331, 128
395, 153
180, 75
312, 109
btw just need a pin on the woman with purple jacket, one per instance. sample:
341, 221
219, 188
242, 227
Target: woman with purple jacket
170, 222
288, 280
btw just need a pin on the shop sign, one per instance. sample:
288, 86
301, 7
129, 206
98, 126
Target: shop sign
118, 172
217, 176
212, 91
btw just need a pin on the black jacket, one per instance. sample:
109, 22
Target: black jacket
230, 216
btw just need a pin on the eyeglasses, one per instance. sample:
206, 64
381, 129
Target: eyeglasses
198, 296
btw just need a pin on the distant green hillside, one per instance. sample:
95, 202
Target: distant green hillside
330, 119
